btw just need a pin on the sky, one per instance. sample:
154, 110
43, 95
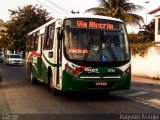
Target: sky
68, 5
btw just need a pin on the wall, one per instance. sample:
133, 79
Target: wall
149, 65
157, 36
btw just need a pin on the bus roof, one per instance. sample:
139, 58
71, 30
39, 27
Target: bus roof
92, 16
76, 16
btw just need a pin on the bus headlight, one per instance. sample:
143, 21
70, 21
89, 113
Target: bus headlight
69, 70
74, 72
127, 72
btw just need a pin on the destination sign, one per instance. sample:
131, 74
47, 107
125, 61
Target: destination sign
91, 23
81, 51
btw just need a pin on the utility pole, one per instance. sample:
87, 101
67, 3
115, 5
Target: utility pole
146, 10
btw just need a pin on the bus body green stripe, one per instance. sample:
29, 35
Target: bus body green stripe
51, 64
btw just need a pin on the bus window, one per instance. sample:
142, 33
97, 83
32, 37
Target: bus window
36, 40
48, 44
32, 41
82, 43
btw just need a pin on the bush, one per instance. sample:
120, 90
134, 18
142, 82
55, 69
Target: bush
140, 43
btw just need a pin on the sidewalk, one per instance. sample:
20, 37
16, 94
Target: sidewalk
145, 80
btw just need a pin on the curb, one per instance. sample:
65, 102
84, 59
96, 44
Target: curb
145, 80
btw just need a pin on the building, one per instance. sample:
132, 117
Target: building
156, 14
149, 65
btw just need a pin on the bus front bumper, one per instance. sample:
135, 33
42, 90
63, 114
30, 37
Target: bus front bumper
70, 83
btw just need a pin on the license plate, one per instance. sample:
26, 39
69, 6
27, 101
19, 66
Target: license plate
101, 83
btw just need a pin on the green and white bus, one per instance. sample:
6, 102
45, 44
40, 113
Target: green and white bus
80, 53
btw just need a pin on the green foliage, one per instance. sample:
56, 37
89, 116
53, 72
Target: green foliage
4, 41
121, 9
24, 20
1, 22
139, 44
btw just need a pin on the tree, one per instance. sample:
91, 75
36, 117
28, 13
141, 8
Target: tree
149, 29
121, 9
24, 20
1, 22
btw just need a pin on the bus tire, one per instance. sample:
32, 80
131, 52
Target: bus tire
31, 78
51, 86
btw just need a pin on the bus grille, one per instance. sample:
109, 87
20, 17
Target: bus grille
99, 75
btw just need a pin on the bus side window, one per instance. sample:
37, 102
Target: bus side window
49, 37
36, 41
32, 41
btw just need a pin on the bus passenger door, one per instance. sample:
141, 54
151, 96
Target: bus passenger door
58, 56
59, 62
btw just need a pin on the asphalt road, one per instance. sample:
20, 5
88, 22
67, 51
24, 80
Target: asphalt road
22, 99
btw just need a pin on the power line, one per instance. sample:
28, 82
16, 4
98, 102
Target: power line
49, 7
64, 10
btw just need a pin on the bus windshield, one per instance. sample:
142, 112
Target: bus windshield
98, 40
